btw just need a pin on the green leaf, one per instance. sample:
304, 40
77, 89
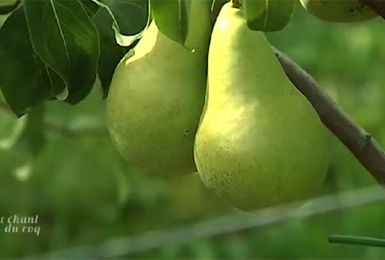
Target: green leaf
130, 18
268, 15
7, 6
120, 23
65, 38
90, 6
23, 76
171, 18
110, 52
2, 19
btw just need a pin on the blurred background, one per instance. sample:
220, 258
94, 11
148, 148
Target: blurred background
85, 194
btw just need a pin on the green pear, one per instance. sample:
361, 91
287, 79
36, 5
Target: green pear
259, 142
338, 10
156, 97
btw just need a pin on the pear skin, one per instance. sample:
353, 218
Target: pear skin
157, 95
338, 10
259, 143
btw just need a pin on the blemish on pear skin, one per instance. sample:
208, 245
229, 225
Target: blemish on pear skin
186, 132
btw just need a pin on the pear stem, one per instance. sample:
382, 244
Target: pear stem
361, 144
236, 3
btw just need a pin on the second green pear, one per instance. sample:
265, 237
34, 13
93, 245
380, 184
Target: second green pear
260, 142
157, 95
338, 10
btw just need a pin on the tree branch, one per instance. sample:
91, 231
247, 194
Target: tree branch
378, 6
356, 139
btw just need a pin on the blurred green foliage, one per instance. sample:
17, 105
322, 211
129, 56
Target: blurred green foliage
85, 194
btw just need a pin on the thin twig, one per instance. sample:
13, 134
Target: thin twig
363, 146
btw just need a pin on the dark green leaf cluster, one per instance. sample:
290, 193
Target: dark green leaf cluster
55, 49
